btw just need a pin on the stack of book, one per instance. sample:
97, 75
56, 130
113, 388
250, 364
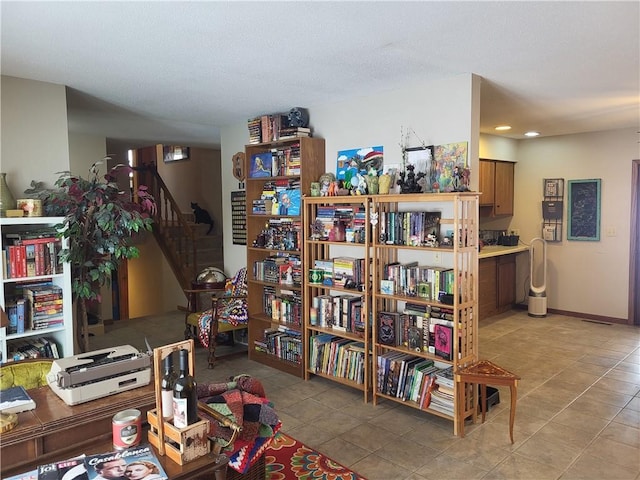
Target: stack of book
44, 305
294, 132
255, 130
273, 127
442, 397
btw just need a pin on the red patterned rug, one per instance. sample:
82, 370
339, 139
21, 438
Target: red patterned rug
286, 458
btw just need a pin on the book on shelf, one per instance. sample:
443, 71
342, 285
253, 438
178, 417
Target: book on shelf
443, 341
289, 202
388, 324
130, 458
260, 165
15, 400
387, 287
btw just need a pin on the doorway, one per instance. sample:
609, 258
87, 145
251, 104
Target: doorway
634, 270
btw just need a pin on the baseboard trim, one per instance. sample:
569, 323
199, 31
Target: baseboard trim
586, 316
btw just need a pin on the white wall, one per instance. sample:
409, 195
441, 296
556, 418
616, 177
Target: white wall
34, 142
84, 151
440, 112
585, 277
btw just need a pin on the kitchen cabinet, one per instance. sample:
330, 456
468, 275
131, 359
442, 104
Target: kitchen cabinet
505, 282
496, 285
496, 180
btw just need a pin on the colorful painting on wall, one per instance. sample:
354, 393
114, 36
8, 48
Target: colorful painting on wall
450, 160
359, 160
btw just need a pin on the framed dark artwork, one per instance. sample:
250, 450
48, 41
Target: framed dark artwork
260, 165
173, 153
422, 159
584, 210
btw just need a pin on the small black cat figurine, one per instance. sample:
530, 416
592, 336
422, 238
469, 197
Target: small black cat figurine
202, 216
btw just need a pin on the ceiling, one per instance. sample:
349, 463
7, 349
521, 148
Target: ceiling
175, 72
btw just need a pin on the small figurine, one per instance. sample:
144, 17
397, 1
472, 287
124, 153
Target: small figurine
408, 180
431, 241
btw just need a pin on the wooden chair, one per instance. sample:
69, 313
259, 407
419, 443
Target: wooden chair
228, 312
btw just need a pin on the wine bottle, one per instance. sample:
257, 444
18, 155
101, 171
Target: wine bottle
166, 385
185, 401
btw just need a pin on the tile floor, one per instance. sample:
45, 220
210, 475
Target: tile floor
578, 411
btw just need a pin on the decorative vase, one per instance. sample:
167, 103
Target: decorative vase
384, 183
372, 184
7, 200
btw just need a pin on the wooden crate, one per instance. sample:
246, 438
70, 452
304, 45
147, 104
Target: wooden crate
180, 444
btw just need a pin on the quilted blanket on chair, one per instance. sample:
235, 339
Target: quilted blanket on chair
243, 400
231, 310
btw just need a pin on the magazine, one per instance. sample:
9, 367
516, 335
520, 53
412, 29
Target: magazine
136, 462
70, 469
32, 475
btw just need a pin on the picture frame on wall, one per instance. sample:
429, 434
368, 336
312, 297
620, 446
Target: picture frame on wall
554, 187
584, 197
173, 153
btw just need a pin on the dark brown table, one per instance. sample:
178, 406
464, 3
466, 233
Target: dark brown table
56, 431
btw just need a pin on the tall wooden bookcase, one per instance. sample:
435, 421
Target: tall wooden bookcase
407, 343
337, 257
59, 332
276, 337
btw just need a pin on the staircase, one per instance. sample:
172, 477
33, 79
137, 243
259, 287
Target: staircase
185, 245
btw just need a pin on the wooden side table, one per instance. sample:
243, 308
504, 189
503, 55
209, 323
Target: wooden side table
483, 373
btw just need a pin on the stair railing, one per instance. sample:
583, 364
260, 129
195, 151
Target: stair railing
174, 234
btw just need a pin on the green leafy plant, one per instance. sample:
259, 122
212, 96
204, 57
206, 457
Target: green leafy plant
100, 218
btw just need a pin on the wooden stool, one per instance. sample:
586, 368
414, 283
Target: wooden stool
483, 373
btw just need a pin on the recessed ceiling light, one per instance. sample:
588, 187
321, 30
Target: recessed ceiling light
502, 128
531, 134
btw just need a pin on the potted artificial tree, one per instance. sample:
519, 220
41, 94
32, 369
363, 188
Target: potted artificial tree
100, 219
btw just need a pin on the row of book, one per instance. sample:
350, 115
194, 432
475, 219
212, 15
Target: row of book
31, 258
282, 233
33, 347
279, 200
342, 313
136, 462
269, 128
337, 357
343, 271
284, 307
277, 162
284, 343
34, 306
410, 228
419, 328
349, 219
416, 379
279, 269
413, 280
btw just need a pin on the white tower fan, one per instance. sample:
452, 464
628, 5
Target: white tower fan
538, 278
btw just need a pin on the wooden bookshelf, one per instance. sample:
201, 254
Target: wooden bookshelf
337, 235
410, 256
272, 233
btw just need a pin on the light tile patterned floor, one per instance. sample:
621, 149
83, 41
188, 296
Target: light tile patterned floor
578, 412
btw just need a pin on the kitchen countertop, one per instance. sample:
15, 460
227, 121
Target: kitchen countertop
496, 250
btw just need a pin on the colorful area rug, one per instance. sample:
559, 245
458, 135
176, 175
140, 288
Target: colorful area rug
286, 458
